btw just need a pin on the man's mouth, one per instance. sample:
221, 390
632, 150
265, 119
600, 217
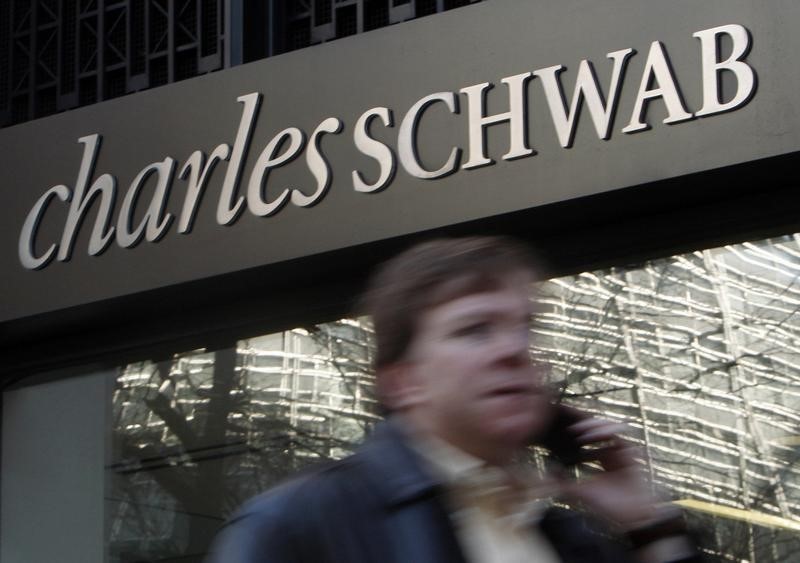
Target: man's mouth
510, 389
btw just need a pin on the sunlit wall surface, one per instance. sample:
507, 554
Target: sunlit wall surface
697, 353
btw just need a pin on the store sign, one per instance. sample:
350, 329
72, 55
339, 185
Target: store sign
95, 187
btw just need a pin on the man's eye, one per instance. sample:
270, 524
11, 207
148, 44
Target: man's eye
474, 329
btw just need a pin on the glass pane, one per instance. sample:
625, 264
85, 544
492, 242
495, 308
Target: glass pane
698, 354
196, 435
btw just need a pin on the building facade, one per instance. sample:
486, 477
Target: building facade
196, 189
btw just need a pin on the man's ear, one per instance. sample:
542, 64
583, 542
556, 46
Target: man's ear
397, 387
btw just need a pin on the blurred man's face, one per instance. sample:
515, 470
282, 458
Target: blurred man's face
468, 376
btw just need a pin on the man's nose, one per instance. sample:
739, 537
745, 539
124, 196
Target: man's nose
513, 348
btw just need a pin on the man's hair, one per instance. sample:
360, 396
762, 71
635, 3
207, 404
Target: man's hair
432, 273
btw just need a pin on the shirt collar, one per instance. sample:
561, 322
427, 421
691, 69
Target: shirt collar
455, 468
446, 461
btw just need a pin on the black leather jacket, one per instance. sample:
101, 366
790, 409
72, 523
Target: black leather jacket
377, 505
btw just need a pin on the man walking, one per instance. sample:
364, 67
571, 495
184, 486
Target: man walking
440, 479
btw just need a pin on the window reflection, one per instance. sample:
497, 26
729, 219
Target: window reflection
697, 353
198, 434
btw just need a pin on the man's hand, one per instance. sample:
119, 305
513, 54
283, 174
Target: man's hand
620, 493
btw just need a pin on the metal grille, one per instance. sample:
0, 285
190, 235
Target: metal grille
346, 21
46, 100
186, 24
425, 7
450, 4
116, 37
68, 45
21, 52
5, 36
87, 91
209, 35
159, 73
114, 84
185, 65
87, 41
138, 43
159, 26
376, 14
322, 12
350, 17
59, 54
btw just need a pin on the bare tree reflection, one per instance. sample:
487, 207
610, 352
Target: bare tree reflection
196, 435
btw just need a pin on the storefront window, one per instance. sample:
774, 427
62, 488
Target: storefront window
196, 435
697, 353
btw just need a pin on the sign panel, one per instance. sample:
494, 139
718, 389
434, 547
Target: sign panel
490, 109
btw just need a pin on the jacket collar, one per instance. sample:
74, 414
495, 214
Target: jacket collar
395, 469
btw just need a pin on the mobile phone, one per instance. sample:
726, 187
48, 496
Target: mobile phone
560, 441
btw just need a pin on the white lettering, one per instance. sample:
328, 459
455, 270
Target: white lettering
377, 150
586, 88
198, 171
268, 160
713, 67
227, 210
105, 185
657, 81
516, 116
27, 238
407, 138
155, 221
657, 69
317, 164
